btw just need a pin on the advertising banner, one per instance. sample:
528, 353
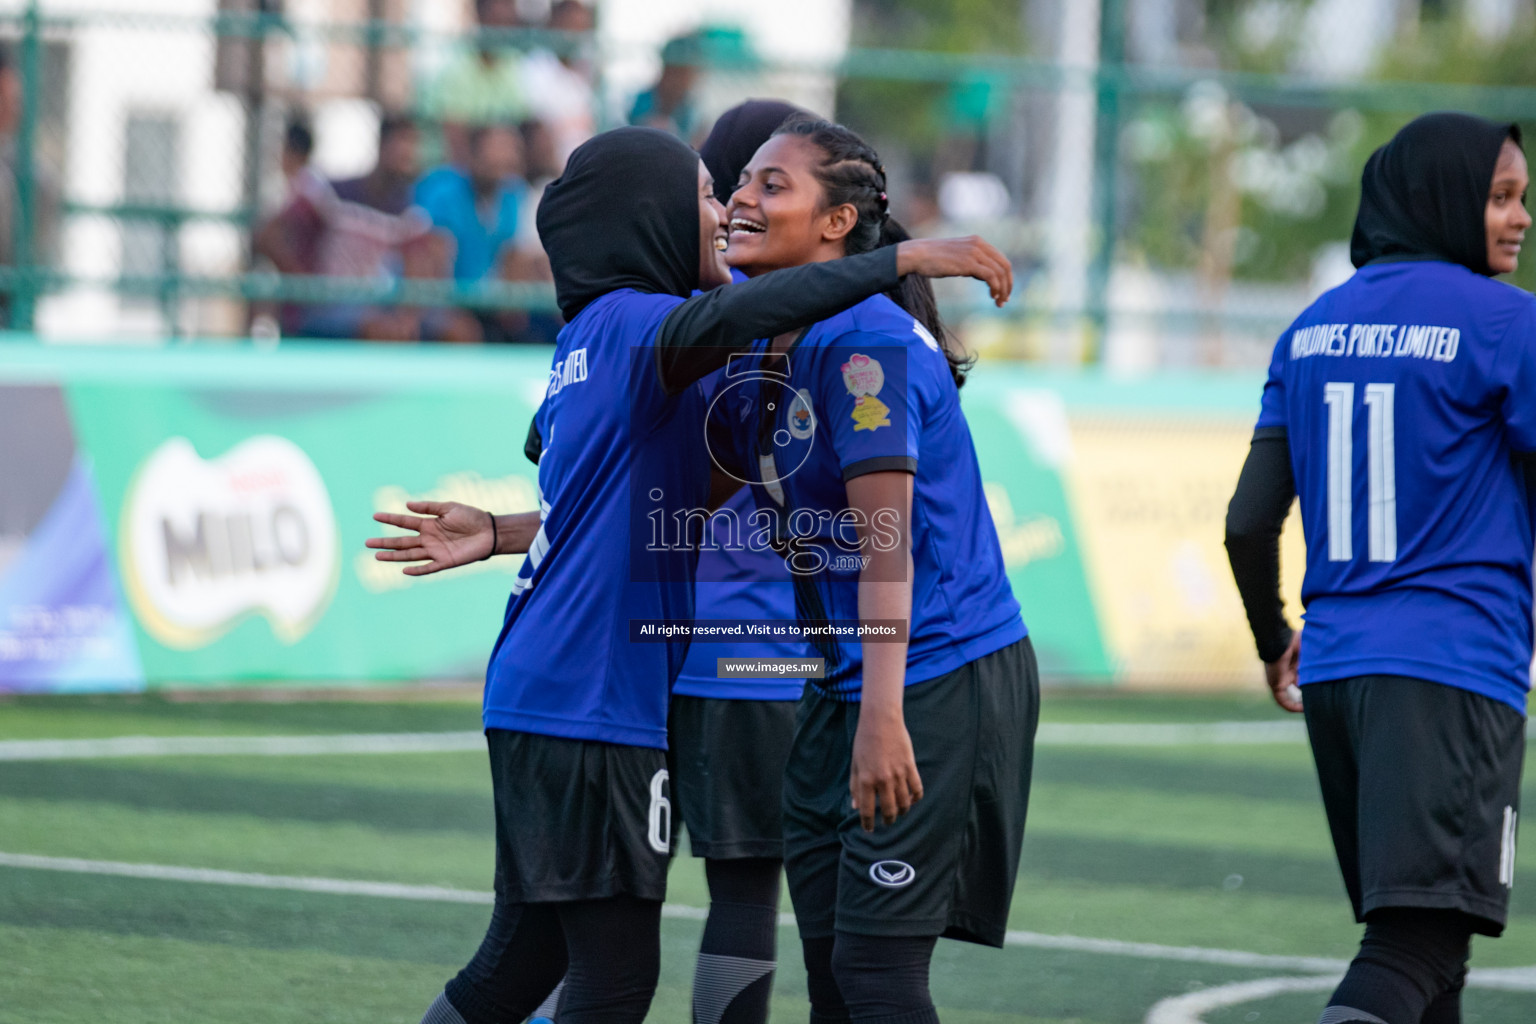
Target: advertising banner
195, 516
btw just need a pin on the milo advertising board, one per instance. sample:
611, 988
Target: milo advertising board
195, 517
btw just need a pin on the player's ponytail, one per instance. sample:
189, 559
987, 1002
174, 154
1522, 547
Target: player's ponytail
914, 293
851, 173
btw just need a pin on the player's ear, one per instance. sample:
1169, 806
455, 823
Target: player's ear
838, 221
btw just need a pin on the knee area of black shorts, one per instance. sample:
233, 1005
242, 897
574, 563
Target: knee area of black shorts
883, 976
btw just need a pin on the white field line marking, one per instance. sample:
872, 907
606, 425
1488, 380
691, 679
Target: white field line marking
1050, 734
1188, 954
439, 894
1170, 734
1184, 1009
248, 746
211, 876
1191, 1007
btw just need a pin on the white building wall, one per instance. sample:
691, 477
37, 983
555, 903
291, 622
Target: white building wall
121, 66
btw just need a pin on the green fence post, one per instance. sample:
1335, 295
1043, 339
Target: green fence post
1106, 159
170, 222
24, 293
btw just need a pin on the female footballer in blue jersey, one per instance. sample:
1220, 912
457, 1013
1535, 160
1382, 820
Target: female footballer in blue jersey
575, 711
1401, 410
728, 738
864, 461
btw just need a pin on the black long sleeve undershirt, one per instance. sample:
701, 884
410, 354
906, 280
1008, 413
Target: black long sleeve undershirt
1255, 516
699, 336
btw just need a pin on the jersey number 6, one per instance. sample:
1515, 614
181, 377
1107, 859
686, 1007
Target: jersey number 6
659, 825
1381, 483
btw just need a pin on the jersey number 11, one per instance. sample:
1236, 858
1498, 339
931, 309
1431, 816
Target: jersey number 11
1381, 483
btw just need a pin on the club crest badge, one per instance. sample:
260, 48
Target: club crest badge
864, 377
802, 418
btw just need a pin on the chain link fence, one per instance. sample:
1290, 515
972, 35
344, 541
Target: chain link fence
1157, 217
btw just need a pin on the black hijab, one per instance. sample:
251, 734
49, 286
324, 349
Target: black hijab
1424, 193
737, 135
625, 214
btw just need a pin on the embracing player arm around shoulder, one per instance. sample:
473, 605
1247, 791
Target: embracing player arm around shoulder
1255, 517
884, 778
698, 336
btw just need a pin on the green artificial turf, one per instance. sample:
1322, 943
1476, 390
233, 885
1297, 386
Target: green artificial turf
1210, 846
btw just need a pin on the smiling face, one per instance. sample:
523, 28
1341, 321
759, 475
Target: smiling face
778, 213
713, 270
1505, 217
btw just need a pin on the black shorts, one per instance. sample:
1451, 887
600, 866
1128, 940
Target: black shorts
946, 867
1421, 782
727, 759
578, 819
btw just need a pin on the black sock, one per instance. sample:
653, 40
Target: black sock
442, 1011
615, 958
1446, 1009
1408, 960
734, 977
827, 1006
884, 978
546, 1009
520, 959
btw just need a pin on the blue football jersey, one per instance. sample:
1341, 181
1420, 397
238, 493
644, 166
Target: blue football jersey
565, 663
743, 583
866, 391
1404, 393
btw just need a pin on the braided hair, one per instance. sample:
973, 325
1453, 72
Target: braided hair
851, 172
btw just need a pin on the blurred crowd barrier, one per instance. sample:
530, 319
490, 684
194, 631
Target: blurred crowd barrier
195, 516
369, 169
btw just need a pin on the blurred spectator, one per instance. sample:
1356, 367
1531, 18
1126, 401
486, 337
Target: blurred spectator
45, 189
364, 227
542, 163
303, 189
482, 85
559, 87
389, 187
479, 206
298, 147
668, 104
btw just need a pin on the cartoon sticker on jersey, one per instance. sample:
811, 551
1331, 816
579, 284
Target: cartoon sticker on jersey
802, 419
864, 378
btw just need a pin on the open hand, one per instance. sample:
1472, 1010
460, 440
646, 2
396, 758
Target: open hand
451, 534
958, 257
1281, 675
884, 774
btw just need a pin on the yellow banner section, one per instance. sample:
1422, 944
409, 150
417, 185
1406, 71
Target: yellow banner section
1149, 498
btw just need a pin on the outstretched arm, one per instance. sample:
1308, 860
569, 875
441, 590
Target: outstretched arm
1255, 517
447, 534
